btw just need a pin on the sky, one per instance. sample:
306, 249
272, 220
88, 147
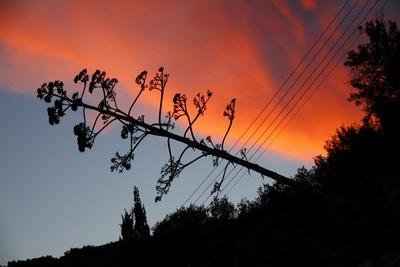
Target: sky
53, 198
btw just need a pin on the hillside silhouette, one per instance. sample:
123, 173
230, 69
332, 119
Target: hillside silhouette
344, 211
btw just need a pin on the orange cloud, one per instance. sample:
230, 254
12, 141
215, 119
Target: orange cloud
244, 50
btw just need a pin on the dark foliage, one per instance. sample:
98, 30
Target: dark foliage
45, 261
127, 232
141, 228
222, 209
181, 221
375, 74
282, 227
134, 223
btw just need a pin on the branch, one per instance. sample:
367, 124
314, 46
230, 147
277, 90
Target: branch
210, 151
200, 102
158, 83
230, 113
171, 170
217, 185
138, 129
180, 110
141, 81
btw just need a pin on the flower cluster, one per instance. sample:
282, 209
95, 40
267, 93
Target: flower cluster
200, 102
46, 92
55, 112
76, 100
180, 108
99, 80
82, 77
83, 136
169, 172
159, 81
122, 162
141, 80
230, 110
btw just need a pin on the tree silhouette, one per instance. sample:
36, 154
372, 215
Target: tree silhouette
375, 74
355, 166
135, 130
141, 228
127, 232
134, 223
361, 163
367, 155
181, 223
222, 209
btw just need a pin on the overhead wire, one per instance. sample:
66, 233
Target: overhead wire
301, 87
290, 119
307, 99
275, 95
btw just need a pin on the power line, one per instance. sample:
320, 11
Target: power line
277, 92
307, 99
307, 79
310, 76
307, 89
290, 119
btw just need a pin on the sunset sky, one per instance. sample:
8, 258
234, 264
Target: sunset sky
52, 197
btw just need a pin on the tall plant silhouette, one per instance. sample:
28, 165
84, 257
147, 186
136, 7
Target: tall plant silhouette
135, 130
134, 223
127, 231
141, 228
